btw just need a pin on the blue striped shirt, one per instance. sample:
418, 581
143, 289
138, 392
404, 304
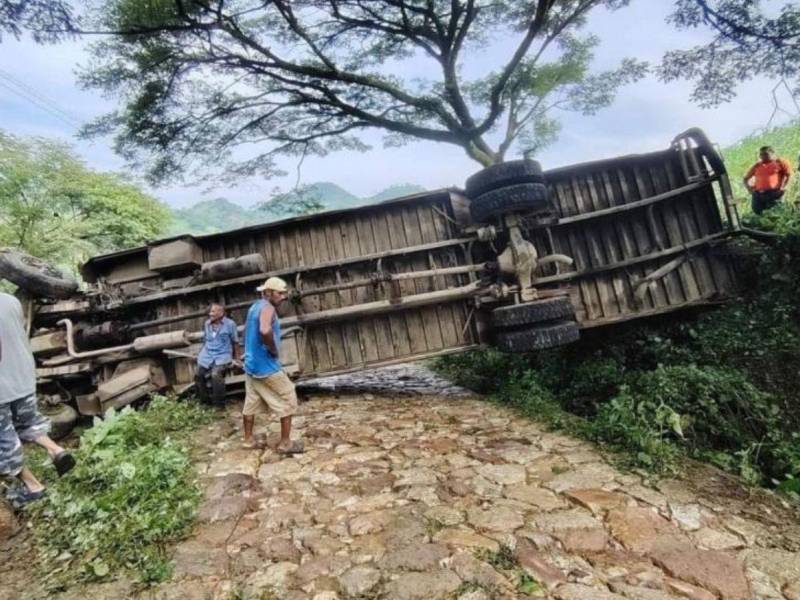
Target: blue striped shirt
218, 343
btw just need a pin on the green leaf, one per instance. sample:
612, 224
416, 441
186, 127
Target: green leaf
790, 485
56, 208
99, 567
674, 421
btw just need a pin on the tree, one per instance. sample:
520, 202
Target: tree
747, 43
46, 20
302, 200
54, 207
231, 85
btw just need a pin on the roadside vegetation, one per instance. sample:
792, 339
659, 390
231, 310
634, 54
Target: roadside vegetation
720, 386
740, 156
132, 493
54, 207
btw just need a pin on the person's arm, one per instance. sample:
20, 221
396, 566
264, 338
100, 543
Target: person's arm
205, 339
235, 345
244, 337
748, 176
265, 328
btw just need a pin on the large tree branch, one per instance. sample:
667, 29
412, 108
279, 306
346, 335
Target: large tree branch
537, 25
730, 28
285, 9
404, 29
449, 63
307, 70
326, 97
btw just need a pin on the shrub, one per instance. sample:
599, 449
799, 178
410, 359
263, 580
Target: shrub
483, 371
710, 412
590, 384
131, 493
629, 426
715, 407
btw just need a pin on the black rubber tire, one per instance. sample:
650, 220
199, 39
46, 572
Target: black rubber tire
62, 419
503, 175
35, 276
538, 337
538, 311
523, 197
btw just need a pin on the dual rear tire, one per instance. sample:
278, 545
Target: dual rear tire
537, 325
519, 187
513, 187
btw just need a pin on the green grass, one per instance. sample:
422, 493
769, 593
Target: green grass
740, 157
132, 493
528, 585
502, 559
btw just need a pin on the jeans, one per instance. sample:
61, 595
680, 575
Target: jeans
765, 199
212, 377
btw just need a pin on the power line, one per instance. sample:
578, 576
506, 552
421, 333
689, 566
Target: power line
33, 96
34, 102
36, 94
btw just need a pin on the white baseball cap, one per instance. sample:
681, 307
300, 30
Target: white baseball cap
275, 284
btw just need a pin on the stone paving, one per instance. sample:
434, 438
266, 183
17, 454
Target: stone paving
436, 497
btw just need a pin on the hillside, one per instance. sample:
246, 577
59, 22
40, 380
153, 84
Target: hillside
332, 195
219, 214
740, 156
210, 216
403, 189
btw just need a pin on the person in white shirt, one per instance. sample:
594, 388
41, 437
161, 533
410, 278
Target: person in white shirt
20, 419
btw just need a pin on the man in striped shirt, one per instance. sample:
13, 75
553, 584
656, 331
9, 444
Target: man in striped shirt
220, 349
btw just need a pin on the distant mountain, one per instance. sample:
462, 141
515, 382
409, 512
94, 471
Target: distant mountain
333, 196
219, 214
395, 191
210, 216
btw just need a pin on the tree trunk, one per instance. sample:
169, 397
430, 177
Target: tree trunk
475, 153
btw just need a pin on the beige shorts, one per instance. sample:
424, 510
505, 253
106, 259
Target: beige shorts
273, 393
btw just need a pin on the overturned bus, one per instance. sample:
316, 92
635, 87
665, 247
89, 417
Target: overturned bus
520, 259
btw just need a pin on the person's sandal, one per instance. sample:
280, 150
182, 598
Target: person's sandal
257, 443
63, 462
295, 448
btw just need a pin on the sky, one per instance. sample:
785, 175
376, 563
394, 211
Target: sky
644, 117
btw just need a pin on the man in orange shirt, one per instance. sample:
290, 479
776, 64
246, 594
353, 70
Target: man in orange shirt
769, 177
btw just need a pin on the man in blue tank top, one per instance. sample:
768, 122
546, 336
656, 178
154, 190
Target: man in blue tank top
267, 387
